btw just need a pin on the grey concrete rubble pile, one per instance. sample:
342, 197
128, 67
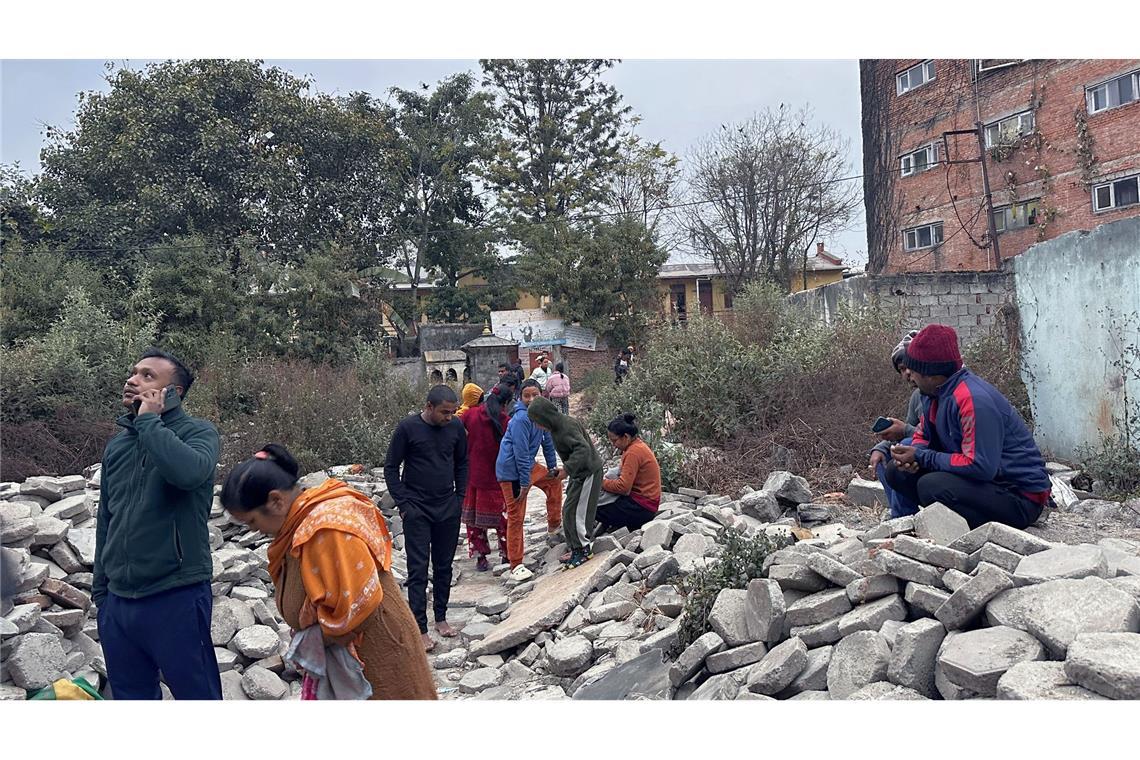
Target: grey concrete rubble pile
51, 631
916, 608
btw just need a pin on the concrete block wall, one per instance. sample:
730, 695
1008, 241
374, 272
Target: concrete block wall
967, 301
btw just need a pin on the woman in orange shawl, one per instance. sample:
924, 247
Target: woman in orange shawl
331, 560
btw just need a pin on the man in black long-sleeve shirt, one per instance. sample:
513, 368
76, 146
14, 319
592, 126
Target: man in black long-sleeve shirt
432, 447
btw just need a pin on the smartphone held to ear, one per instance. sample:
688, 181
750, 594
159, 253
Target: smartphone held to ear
881, 424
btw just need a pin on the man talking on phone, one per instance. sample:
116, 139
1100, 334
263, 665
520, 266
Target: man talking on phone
152, 546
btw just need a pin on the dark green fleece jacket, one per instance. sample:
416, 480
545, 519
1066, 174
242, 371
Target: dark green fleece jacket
155, 496
571, 440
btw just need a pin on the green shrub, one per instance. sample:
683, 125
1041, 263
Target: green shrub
1115, 462
741, 560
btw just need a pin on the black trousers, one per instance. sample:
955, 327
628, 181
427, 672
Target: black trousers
978, 501
623, 513
436, 537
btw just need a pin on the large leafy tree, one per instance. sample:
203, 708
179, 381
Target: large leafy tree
440, 216
218, 148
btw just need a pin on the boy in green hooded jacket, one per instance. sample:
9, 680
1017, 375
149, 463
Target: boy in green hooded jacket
583, 468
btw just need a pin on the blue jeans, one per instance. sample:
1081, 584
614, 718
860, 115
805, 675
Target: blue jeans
900, 505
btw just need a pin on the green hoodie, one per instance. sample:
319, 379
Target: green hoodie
571, 440
156, 490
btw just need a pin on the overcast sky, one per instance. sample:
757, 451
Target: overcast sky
680, 101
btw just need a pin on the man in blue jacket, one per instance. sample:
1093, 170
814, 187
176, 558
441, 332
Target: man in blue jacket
971, 450
516, 471
152, 545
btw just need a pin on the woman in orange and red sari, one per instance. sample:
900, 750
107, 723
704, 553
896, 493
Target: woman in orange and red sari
483, 506
331, 560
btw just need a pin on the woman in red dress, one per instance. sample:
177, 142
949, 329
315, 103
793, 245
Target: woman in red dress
483, 507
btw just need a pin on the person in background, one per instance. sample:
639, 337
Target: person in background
900, 431
638, 484
541, 373
971, 450
431, 447
484, 507
471, 396
516, 471
152, 546
520, 376
622, 366
558, 388
584, 471
331, 562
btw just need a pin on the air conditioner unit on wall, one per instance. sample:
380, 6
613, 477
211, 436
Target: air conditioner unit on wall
992, 64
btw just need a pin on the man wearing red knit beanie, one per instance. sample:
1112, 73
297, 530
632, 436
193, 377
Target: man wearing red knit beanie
971, 450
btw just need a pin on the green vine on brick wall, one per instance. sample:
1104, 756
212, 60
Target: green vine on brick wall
1086, 158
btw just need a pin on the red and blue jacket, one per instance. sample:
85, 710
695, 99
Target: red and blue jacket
971, 430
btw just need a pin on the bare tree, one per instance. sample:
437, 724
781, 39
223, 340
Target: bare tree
644, 184
764, 190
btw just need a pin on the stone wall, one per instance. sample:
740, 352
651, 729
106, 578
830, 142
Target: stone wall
579, 362
447, 336
969, 302
410, 369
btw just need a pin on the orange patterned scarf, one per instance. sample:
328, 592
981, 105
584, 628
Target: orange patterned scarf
338, 568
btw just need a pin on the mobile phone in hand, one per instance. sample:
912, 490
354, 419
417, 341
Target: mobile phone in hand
881, 424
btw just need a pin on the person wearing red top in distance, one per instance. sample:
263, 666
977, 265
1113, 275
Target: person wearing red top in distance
971, 450
484, 507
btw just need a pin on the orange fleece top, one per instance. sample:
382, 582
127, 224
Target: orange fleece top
640, 476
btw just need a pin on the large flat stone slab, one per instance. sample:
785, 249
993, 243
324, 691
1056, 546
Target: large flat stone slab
1067, 608
1040, 680
551, 600
644, 677
975, 660
1062, 562
1107, 663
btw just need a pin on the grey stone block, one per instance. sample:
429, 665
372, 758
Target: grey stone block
1041, 680
569, 657
36, 661
738, 657
480, 679
857, 660
975, 660
827, 566
761, 505
728, 617
694, 656
788, 488
818, 608
778, 668
866, 493
1004, 558
764, 610
812, 696
797, 577
883, 691
909, 569
931, 553
970, 600
890, 630
720, 688
954, 579
818, 635
940, 524
663, 573
925, 599
1062, 562
666, 600
1107, 663
871, 616
814, 675
914, 656
872, 588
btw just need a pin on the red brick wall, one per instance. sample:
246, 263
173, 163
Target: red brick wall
579, 362
1048, 168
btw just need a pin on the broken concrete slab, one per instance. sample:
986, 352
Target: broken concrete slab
1041, 680
694, 656
1065, 609
797, 577
788, 488
814, 675
867, 493
975, 660
1107, 663
644, 677
827, 566
871, 616
908, 569
871, 588
817, 635
737, 657
940, 524
728, 617
554, 595
925, 599
778, 668
1062, 562
857, 660
999, 556
914, 656
764, 610
762, 506
818, 608
931, 553
970, 600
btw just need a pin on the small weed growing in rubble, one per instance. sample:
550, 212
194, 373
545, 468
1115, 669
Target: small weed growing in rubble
741, 560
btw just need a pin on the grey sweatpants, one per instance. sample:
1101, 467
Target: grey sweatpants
580, 507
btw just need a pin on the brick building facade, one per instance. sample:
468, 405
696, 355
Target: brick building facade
1062, 150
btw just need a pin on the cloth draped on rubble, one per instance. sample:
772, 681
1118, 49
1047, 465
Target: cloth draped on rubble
331, 672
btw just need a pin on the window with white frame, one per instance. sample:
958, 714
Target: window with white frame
1016, 216
926, 236
1007, 131
1113, 93
920, 160
1116, 194
992, 64
915, 76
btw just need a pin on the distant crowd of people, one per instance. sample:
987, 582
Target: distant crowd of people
469, 461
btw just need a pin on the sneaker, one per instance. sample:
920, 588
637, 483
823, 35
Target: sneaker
577, 557
520, 573
482, 565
